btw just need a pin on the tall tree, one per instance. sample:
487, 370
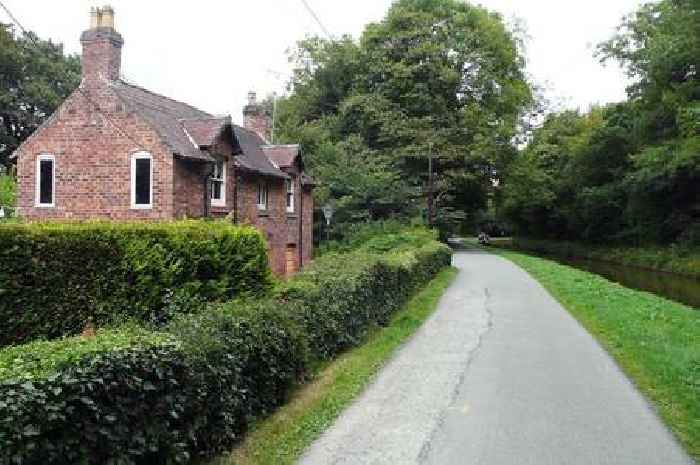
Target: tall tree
435, 78
627, 172
35, 77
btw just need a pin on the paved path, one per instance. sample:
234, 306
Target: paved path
501, 374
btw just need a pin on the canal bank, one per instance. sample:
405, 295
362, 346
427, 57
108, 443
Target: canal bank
644, 269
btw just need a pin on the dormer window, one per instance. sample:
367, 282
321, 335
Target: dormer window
289, 184
218, 184
262, 195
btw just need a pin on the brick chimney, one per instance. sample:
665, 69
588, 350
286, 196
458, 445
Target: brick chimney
102, 47
255, 119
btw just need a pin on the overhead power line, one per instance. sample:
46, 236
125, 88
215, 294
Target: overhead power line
82, 92
317, 19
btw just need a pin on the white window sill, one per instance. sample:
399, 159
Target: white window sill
218, 203
142, 207
44, 205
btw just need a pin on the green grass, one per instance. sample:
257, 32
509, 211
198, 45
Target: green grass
654, 340
282, 438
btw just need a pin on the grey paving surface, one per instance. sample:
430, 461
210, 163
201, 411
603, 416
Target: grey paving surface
499, 375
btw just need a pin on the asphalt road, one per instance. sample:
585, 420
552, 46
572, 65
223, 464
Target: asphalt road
501, 374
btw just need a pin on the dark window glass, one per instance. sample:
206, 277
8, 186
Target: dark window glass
46, 182
216, 190
143, 181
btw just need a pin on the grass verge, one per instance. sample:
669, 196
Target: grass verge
654, 340
281, 438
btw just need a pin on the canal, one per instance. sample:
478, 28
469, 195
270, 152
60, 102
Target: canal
683, 289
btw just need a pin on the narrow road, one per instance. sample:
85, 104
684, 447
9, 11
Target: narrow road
501, 374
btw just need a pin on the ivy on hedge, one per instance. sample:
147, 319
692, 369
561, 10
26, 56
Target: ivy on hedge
193, 392
56, 277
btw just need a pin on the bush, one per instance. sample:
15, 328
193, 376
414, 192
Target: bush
8, 190
148, 400
192, 391
54, 278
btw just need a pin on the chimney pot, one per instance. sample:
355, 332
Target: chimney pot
107, 17
94, 18
252, 98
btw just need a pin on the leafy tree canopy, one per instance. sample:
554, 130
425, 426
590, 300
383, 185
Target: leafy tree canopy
435, 76
629, 171
35, 77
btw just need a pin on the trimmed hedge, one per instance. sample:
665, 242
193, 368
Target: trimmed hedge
194, 391
54, 278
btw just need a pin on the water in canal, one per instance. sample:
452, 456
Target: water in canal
683, 289
680, 288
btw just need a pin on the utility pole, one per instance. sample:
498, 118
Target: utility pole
430, 198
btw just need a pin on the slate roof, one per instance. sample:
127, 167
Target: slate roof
164, 115
254, 159
186, 129
283, 156
204, 131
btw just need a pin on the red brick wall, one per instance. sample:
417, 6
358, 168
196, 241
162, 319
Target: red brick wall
93, 162
308, 225
281, 228
188, 188
102, 55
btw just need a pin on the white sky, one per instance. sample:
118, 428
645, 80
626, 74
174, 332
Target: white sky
209, 53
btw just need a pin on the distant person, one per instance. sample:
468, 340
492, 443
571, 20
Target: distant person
484, 238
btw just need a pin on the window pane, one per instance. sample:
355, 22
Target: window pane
46, 181
216, 190
143, 181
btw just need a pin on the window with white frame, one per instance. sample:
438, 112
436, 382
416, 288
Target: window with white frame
141, 180
262, 195
218, 184
45, 181
289, 184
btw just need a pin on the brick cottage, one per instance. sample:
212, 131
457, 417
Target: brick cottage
114, 150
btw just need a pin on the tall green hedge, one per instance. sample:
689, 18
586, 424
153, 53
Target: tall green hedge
193, 390
56, 277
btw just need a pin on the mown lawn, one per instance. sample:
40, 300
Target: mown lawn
654, 340
283, 437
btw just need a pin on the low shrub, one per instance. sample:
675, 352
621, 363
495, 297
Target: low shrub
193, 390
56, 277
155, 400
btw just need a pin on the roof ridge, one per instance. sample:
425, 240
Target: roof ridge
121, 81
204, 118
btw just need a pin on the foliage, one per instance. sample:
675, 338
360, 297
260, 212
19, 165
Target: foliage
36, 77
40, 359
8, 190
655, 341
282, 438
626, 172
57, 277
439, 77
379, 236
149, 400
